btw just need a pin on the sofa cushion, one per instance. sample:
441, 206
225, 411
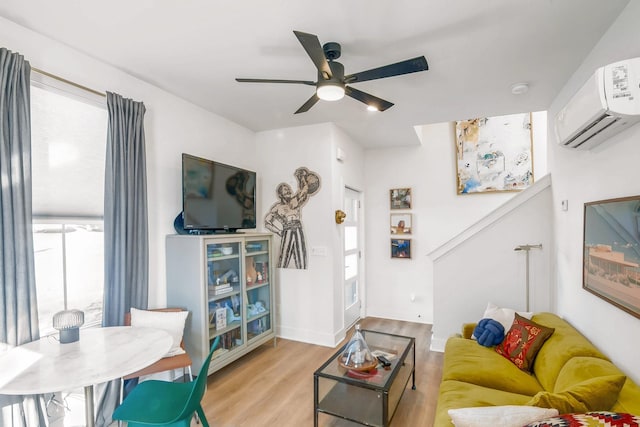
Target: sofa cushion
171, 322
503, 315
594, 394
489, 332
522, 342
459, 394
499, 416
565, 343
465, 360
581, 368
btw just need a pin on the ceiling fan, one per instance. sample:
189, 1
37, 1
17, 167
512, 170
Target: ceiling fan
332, 84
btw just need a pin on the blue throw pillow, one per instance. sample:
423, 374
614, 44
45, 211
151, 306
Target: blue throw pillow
489, 332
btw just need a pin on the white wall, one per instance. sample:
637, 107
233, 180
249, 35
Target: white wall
308, 300
311, 299
439, 214
172, 126
348, 172
610, 170
483, 267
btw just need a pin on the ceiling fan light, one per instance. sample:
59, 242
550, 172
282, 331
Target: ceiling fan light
330, 92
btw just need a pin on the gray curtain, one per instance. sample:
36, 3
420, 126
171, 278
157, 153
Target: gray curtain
126, 246
18, 305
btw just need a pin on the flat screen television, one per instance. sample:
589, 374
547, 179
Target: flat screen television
217, 197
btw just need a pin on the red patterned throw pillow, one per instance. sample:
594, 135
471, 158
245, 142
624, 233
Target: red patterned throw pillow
591, 419
522, 342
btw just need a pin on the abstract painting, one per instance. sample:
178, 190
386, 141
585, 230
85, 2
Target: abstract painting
611, 257
494, 154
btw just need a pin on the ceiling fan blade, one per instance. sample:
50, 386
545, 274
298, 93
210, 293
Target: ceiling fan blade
302, 82
312, 45
307, 105
397, 69
373, 101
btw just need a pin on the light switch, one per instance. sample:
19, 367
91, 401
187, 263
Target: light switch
318, 251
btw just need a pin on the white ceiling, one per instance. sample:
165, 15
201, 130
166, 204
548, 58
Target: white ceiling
476, 50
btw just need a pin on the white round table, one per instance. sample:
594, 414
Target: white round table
100, 355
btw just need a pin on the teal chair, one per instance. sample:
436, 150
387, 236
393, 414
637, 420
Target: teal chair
162, 403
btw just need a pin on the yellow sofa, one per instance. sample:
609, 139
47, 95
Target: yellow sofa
475, 376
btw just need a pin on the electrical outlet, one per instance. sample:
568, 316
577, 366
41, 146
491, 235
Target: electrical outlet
565, 205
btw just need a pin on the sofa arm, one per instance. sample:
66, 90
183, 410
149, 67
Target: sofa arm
467, 329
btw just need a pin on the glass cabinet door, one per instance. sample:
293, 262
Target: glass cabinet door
224, 290
258, 287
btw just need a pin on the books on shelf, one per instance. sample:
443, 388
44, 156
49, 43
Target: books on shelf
253, 247
221, 289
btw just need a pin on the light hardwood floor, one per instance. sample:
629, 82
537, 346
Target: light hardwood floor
273, 386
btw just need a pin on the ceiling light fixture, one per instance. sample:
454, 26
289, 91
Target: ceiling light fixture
330, 91
372, 108
519, 88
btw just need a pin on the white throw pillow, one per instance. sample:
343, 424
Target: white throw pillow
499, 416
170, 321
504, 315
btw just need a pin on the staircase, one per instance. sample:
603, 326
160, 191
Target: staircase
479, 265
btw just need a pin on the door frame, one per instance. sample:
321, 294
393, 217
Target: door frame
361, 257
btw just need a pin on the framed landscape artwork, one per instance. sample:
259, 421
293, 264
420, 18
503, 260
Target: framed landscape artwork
400, 198
611, 252
400, 248
494, 154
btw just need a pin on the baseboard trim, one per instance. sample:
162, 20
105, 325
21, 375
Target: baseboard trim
306, 336
437, 344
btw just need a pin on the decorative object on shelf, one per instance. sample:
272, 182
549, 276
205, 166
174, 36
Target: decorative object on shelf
68, 323
285, 218
250, 270
400, 198
356, 355
400, 248
611, 259
494, 154
262, 269
400, 223
231, 316
340, 216
230, 276
221, 318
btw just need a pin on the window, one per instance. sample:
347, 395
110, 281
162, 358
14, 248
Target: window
68, 137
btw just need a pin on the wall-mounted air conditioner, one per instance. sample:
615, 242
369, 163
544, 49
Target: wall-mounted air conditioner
608, 103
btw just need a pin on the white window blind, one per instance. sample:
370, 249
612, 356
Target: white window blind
68, 137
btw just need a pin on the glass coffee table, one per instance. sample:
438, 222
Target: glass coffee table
366, 398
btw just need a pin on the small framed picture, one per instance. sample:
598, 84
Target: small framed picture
400, 223
400, 198
400, 248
